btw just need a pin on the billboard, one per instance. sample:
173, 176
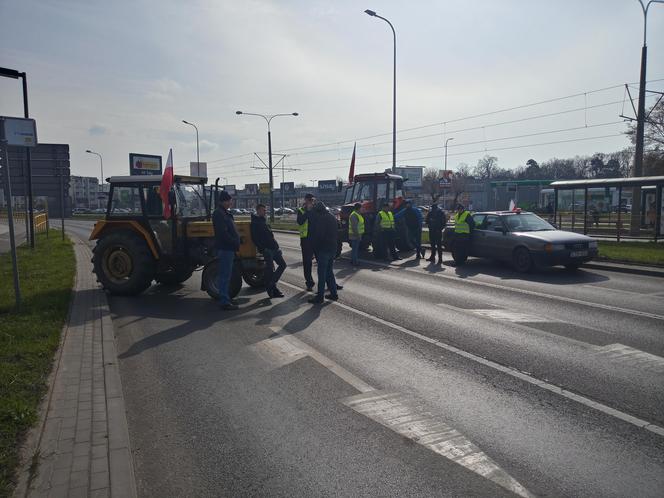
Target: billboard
327, 185
230, 189
251, 188
412, 175
19, 131
287, 187
198, 169
264, 188
144, 164
445, 180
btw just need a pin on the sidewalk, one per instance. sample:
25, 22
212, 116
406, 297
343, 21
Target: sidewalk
82, 439
19, 234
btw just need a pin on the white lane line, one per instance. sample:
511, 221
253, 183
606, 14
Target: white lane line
402, 414
625, 417
405, 416
519, 291
620, 353
510, 316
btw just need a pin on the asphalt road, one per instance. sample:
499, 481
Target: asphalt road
422, 380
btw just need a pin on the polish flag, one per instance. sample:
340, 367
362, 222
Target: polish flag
351, 173
512, 205
166, 184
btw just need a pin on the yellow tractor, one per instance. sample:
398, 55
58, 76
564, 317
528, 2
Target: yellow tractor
136, 245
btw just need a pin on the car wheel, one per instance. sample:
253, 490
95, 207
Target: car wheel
522, 260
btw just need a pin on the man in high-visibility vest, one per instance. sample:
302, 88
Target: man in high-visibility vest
463, 226
385, 221
355, 232
303, 215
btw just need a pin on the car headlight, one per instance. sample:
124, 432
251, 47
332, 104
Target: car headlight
554, 247
592, 244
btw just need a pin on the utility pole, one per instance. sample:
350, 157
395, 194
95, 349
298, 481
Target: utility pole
10, 217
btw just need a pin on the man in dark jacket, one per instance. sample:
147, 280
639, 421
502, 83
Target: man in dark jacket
413, 217
303, 213
436, 222
264, 240
227, 243
323, 237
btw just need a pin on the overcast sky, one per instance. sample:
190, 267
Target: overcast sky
118, 77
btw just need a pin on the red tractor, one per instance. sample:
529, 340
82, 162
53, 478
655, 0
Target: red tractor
372, 190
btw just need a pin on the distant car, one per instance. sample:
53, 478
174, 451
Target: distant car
527, 241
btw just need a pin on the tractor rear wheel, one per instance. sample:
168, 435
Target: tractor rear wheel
123, 263
211, 280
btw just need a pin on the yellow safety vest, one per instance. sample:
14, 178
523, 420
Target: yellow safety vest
386, 220
304, 227
360, 222
460, 223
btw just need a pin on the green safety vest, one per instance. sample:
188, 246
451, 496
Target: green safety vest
304, 227
360, 222
460, 223
386, 220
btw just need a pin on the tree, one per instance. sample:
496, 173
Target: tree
653, 140
460, 181
559, 169
430, 184
486, 168
301, 185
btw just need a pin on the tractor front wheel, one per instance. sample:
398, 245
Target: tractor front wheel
123, 263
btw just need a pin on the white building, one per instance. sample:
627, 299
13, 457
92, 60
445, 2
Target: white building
84, 192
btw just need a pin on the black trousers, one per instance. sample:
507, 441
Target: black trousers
271, 277
436, 241
307, 261
389, 237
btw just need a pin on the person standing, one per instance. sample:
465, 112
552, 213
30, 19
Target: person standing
303, 213
355, 233
387, 231
413, 217
463, 226
227, 243
323, 235
265, 242
436, 222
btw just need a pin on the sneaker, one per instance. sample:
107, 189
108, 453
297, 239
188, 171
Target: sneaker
315, 300
310, 288
332, 297
277, 293
339, 287
228, 307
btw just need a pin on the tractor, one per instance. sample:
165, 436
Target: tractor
372, 190
136, 245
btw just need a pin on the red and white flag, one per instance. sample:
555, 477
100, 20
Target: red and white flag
351, 173
166, 184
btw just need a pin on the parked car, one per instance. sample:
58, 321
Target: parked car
527, 241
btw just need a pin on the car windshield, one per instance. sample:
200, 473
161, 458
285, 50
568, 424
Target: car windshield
190, 202
526, 223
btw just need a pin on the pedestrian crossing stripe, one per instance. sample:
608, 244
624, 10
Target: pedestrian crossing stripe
510, 316
620, 353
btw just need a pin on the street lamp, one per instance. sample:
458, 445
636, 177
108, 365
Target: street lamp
198, 158
14, 74
101, 162
394, 92
267, 119
451, 138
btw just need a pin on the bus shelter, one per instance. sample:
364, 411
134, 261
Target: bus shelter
603, 207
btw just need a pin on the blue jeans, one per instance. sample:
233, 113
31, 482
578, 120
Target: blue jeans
225, 266
326, 273
355, 250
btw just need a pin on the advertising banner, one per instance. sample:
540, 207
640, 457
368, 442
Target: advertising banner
288, 187
412, 175
198, 169
251, 188
19, 131
327, 185
230, 189
264, 188
445, 180
144, 164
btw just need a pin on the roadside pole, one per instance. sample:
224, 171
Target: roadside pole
62, 200
10, 218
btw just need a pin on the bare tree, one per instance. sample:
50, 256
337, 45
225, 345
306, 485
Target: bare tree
486, 168
460, 182
431, 184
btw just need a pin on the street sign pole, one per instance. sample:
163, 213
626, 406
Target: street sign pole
10, 218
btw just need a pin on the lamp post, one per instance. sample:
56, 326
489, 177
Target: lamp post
101, 163
446, 141
12, 73
198, 158
268, 118
394, 91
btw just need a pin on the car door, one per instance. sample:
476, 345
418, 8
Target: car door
494, 242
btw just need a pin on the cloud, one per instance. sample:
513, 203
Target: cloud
97, 130
163, 89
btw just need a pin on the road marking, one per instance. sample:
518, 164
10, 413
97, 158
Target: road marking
519, 291
402, 414
643, 424
405, 416
620, 353
509, 316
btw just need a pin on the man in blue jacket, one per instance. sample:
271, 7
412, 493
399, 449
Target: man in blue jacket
227, 243
264, 240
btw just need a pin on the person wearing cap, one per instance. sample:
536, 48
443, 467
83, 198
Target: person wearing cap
387, 231
413, 217
463, 226
436, 222
263, 238
303, 214
227, 243
323, 234
355, 232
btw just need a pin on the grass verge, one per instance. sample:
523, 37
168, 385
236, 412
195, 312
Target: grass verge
647, 253
29, 337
